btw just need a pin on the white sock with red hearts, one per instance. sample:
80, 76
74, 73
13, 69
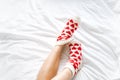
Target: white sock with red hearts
75, 57
67, 32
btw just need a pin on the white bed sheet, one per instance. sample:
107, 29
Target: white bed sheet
28, 31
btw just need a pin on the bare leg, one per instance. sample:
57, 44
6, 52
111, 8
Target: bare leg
50, 66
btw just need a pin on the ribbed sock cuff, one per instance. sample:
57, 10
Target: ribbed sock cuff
70, 67
62, 42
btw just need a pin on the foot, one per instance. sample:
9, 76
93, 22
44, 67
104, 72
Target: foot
67, 32
75, 57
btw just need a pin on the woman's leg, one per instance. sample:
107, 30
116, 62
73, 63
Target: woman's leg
50, 66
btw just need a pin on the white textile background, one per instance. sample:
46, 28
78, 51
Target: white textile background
28, 31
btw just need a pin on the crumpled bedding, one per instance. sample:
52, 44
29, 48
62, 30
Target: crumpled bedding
28, 31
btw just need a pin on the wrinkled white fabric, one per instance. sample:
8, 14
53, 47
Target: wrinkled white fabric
28, 31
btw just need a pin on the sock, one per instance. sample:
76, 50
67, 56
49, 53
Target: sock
67, 32
75, 58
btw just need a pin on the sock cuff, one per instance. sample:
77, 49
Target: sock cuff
70, 67
62, 42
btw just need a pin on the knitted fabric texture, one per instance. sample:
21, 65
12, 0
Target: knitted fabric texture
75, 57
67, 32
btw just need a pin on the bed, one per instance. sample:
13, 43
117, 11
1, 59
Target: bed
28, 31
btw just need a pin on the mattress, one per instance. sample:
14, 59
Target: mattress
28, 31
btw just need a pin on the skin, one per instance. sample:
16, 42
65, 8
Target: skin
49, 68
